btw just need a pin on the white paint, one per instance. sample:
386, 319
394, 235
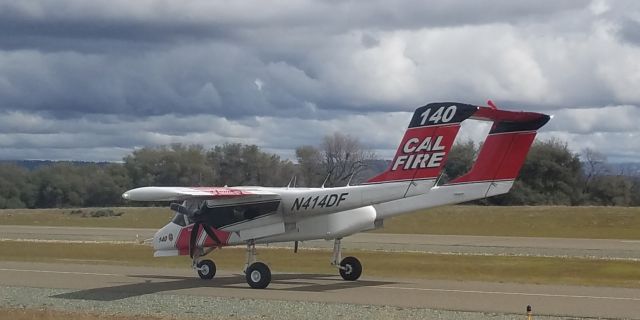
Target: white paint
549, 295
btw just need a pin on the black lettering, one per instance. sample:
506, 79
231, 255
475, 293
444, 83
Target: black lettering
306, 203
296, 204
332, 200
323, 202
315, 201
342, 197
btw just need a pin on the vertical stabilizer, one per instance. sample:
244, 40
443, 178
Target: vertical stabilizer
425, 145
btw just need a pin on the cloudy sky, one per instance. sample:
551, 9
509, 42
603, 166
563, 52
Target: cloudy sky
93, 80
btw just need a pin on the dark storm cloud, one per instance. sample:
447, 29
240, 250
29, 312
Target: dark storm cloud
165, 21
93, 75
630, 31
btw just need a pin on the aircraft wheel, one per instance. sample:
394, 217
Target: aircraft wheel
352, 269
206, 269
258, 275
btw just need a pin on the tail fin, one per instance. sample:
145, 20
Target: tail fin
505, 148
424, 148
494, 171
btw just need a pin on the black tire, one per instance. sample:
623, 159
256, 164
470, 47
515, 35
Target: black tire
206, 269
351, 269
258, 275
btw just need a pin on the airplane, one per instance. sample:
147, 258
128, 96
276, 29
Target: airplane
209, 218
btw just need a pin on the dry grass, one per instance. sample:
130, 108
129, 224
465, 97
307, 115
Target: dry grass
525, 221
48, 314
539, 221
147, 217
382, 264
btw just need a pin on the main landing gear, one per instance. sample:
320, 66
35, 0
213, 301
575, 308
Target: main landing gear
258, 274
350, 268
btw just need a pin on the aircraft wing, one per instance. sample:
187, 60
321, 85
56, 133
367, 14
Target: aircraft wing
184, 193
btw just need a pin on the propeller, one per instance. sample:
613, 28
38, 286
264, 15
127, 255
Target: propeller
184, 210
195, 216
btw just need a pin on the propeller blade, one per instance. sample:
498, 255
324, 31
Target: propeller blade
181, 209
211, 234
193, 239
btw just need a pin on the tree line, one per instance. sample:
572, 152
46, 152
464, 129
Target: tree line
551, 175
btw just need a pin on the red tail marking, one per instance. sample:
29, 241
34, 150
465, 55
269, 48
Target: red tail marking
422, 154
501, 157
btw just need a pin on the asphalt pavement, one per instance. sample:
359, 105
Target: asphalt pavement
109, 284
456, 244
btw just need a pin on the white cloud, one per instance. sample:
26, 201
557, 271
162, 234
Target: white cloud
115, 75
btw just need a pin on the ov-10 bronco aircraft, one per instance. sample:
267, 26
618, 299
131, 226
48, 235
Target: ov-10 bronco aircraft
213, 217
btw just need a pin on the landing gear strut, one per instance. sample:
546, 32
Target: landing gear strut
257, 274
350, 268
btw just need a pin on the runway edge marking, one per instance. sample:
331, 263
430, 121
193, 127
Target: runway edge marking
551, 295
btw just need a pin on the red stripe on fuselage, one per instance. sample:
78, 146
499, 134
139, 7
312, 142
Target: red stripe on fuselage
182, 244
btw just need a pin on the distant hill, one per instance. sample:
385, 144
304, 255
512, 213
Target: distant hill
35, 164
630, 169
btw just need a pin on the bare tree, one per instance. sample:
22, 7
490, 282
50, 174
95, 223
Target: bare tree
311, 166
344, 157
595, 165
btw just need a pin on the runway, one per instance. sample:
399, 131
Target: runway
117, 284
483, 245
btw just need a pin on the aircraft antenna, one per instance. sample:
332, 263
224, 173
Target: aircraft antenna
439, 178
327, 178
292, 182
350, 177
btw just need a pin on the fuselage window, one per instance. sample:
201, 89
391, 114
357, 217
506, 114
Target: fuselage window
180, 219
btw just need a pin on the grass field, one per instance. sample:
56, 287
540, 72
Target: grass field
381, 264
539, 221
148, 217
524, 221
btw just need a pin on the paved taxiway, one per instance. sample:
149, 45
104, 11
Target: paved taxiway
489, 245
117, 283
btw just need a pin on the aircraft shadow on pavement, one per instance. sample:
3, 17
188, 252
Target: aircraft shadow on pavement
294, 282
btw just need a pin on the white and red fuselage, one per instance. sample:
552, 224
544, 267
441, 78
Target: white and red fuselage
238, 215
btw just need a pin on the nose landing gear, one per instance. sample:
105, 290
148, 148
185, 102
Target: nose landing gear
206, 269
